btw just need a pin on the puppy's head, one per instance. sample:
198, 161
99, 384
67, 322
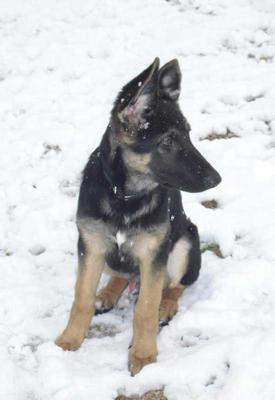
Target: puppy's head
149, 125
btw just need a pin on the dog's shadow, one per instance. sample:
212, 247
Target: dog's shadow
101, 330
119, 315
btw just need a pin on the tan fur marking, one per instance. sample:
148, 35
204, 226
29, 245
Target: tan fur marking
105, 206
145, 244
138, 162
110, 294
169, 303
90, 268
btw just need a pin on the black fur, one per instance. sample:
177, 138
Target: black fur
146, 121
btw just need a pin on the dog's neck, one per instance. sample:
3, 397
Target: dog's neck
125, 182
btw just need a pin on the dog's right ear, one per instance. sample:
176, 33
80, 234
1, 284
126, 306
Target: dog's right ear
170, 80
138, 95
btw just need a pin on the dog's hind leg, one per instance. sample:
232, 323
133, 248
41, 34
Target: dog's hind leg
110, 294
169, 304
91, 264
183, 268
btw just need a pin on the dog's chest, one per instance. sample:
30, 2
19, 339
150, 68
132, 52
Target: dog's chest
125, 245
122, 257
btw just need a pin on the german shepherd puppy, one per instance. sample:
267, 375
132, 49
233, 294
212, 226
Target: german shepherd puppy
130, 216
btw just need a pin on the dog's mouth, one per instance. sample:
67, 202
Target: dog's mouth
167, 185
194, 187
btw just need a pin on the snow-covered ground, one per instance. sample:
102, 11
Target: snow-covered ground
61, 65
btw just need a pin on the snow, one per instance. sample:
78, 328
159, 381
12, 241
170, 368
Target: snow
61, 66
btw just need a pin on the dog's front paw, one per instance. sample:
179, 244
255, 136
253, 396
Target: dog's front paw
168, 309
136, 363
67, 342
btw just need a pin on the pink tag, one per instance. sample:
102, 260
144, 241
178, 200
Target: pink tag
132, 286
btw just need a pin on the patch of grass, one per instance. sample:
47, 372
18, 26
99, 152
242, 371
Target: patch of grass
212, 204
214, 247
151, 395
217, 136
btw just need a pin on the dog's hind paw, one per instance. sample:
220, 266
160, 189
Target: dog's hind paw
168, 309
105, 301
100, 309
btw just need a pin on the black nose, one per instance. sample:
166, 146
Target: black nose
212, 180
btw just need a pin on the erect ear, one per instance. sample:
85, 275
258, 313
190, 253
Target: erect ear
138, 95
169, 80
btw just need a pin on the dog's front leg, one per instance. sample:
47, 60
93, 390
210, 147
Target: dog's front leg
146, 316
90, 267
145, 328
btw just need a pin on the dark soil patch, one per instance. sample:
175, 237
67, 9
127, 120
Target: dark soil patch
251, 97
212, 204
151, 395
6, 252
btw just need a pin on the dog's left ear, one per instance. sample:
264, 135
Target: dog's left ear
169, 81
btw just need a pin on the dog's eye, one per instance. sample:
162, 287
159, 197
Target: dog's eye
148, 112
167, 141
